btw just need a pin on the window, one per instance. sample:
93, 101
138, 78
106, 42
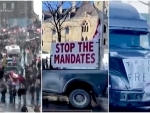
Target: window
53, 31
104, 41
82, 39
12, 6
86, 38
85, 27
4, 5
67, 30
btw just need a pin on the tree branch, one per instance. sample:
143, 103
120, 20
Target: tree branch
59, 17
143, 2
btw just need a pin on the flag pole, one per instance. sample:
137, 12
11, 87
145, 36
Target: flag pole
102, 34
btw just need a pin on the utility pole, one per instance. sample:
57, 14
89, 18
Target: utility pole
102, 34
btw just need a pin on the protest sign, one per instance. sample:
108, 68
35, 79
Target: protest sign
138, 72
75, 54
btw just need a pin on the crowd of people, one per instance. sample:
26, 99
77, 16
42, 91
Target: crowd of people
19, 86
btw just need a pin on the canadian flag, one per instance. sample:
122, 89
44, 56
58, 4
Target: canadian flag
98, 31
27, 50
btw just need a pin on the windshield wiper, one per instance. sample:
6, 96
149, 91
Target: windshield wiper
135, 46
116, 46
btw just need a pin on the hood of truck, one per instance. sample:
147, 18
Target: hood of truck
131, 52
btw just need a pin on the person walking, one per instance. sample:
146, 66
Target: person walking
3, 92
37, 91
32, 91
19, 93
10, 93
24, 109
14, 91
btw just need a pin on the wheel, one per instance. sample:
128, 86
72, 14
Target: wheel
79, 98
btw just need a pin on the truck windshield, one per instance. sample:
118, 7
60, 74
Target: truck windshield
122, 38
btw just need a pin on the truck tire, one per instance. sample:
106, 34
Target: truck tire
79, 98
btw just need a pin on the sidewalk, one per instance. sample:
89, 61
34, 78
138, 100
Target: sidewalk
14, 108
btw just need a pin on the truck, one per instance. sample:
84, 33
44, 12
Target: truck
81, 82
128, 38
80, 86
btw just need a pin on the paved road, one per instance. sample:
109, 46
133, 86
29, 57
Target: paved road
129, 109
7, 107
14, 108
52, 104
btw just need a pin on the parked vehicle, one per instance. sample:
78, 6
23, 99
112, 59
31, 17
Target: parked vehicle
128, 37
80, 86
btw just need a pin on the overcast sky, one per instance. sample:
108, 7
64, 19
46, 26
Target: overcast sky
139, 6
38, 7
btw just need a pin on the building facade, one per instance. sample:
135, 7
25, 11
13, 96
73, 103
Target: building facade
80, 25
15, 9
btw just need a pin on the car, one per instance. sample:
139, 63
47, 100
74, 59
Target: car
18, 65
12, 68
80, 86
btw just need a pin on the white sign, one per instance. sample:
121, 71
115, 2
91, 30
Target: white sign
138, 72
75, 54
146, 96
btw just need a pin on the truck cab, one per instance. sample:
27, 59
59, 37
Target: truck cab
128, 38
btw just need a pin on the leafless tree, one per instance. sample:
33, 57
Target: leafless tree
58, 17
147, 4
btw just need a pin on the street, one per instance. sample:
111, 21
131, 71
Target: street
17, 106
54, 103
128, 109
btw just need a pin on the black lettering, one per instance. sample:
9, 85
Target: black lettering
144, 77
128, 63
142, 62
129, 76
136, 62
137, 75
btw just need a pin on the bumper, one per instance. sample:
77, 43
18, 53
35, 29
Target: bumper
128, 99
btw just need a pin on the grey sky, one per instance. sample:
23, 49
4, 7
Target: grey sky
139, 6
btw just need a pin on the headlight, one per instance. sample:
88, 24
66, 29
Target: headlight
118, 83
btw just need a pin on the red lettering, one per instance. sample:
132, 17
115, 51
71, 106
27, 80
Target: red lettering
67, 58
80, 46
62, 59
72, 45
62, 47
56, 58
67, 48
57, 48
87, 58
73, 58
90, 46
78, 59
93, 58
82, 58
85, 46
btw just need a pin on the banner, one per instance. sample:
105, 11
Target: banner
75, 54
138, 72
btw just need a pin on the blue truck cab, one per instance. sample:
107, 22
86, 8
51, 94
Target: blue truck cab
128, 37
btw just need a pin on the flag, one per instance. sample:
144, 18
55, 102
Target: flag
38, 30
27, 51
98, 31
